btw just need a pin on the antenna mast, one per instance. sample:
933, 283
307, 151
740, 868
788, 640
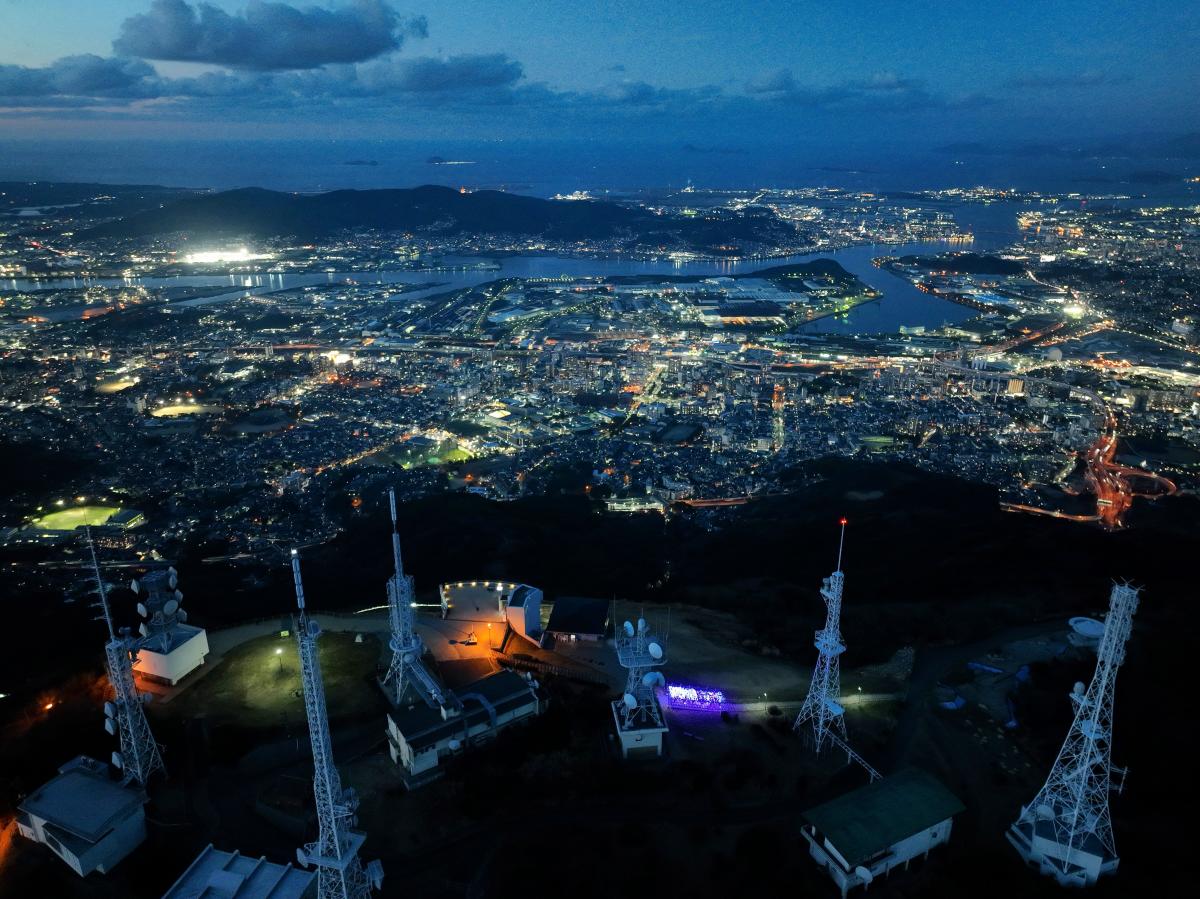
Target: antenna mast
139, 757
822, 709
335, 852
637, 713
1067, 829
405, 671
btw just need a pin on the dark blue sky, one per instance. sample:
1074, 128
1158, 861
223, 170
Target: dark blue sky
727, 72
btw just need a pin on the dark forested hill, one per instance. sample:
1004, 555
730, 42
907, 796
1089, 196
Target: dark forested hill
263, 213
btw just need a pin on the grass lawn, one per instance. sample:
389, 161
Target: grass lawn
258, 683
75, 517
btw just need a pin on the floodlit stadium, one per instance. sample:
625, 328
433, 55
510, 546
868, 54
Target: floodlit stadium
75, 517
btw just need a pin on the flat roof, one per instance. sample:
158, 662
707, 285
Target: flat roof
231, 875
578, 615
868, 820
83, 800
423, 726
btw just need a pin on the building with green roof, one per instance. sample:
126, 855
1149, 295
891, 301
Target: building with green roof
865, 833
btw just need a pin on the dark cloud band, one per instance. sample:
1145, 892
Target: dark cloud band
266, 36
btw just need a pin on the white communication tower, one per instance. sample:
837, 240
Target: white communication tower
124, 716
822, 710
1067, 830
638, 716
341, 874
406, 671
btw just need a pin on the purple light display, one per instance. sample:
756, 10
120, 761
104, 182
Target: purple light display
684, 696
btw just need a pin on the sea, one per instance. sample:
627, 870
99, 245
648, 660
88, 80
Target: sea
546, 168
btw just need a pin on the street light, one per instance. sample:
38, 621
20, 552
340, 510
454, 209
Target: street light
279, 655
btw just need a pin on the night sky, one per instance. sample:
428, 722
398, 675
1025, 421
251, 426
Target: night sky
699, 70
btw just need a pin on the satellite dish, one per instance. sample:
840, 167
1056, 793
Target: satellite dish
1079, 688
628, 628
181, 615
118, 761
1045, 812
642, 626
110, 726
135, 586
171, 571
630, 701
1088, 628
172, 580
314, 629
864, 874
110, 710
301, 857
656, 651
171, 607
454, 745
142, 610
653, 679
142, 629
179, 596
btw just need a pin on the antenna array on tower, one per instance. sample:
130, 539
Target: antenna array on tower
822, 710
823, 713
638, 715
139, 756
1067, 829
406, 671
341, 874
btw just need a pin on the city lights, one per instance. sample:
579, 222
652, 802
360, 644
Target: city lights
239, 255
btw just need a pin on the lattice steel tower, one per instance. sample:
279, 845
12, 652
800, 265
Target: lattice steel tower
139, 757
640, 654
1067, 830
341, 874
822, 709
406, 672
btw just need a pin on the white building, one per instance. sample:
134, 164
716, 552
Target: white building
420, 737
867, 832
523, 610
642, 739
173, 654
231, 875
1076, 866
87, 818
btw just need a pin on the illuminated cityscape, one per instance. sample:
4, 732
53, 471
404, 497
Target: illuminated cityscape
563, 342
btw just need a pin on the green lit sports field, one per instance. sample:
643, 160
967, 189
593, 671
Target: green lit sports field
75, 517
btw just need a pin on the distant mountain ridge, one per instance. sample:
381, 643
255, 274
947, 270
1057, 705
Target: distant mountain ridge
266, 213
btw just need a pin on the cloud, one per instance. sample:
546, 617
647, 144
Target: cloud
456, 74
81, 76
881, 92
266, 36
639, 93
1061, 81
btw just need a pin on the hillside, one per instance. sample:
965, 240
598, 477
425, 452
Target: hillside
265, 213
